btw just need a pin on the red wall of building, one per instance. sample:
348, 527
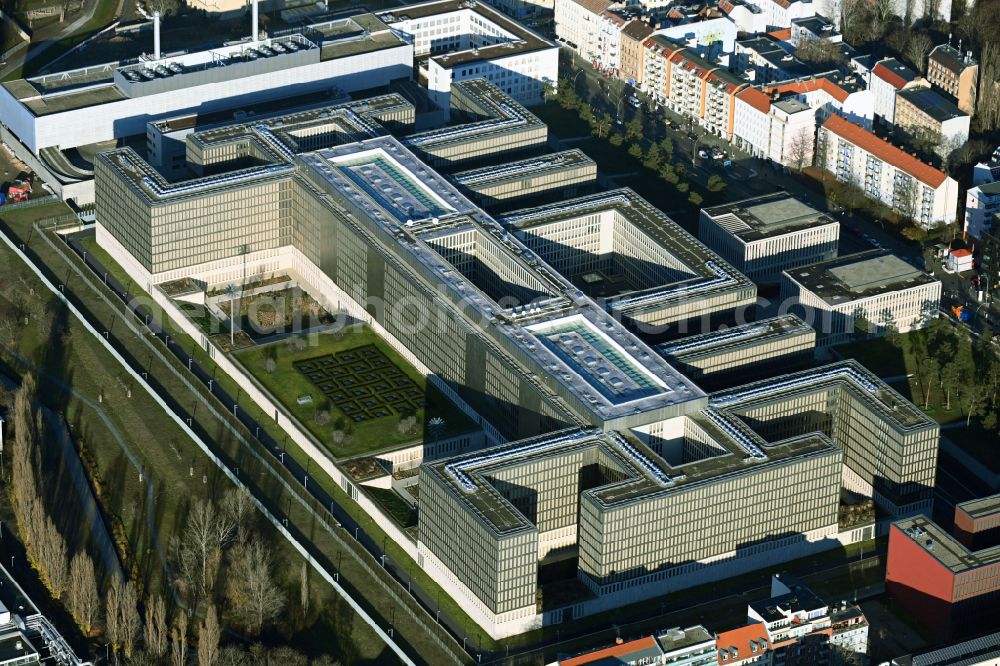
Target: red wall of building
915, 578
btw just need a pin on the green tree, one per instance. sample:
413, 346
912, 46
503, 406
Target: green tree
653, 157
633, 128
716, 183
680, 169
695, 198
566, 95
683, 187
668, 174
635, 150
667, 148
616, 139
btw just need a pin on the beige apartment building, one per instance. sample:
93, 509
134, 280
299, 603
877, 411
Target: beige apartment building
956, 74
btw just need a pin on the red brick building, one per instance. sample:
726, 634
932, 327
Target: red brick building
947, 587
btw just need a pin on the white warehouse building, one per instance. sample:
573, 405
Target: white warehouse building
44, 116
877, 287
766, 235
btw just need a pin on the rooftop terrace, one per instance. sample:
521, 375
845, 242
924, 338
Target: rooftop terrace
857, 276
749, 335
533, 167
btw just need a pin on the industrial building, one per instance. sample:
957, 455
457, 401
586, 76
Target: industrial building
457, 40
27, 637
487, 519
765, 235
729, 356
556, 175
879, 288
56, 122
618, 248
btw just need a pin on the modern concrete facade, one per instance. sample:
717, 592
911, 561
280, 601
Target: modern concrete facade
563, 174
731, 356
457, 40
488, 519
886, 173
499, 325
641, 265
956, 74
879, 288
765, 235
494, 126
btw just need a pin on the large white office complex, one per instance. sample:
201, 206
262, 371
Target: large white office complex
457, 40
44, 118
764, 235
886, 173
880, 289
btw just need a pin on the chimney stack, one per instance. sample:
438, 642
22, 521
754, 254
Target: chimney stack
254, 34
156, 35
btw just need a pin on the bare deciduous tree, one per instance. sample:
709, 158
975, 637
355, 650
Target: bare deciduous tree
178, 640
304, 588
129, 620
208, 638
83, 598
198, 549
156, 627
251, 590
52, 557
919, 45
113, 613
238, 506
988, 101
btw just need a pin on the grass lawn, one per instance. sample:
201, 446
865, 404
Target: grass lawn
287, 384
179, 471
393, 505
568, 122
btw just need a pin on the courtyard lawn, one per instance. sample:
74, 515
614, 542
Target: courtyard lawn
562, 122
881, 357
364, 428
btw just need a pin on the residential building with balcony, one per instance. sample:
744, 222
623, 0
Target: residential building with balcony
886, 173
781, 130
982, 203
577, 24
633, 35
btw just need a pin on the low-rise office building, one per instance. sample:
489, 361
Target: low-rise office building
878, 289
954, 73
765, 235
564, 174
731, 356
455, 40
979, 651
886, 173
977, 522
641, 265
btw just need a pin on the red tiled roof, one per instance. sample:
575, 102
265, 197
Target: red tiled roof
740, 639
781, 35
889, 76
812, 85
637, 30
884, 150
756, 99
614, 651
961, 253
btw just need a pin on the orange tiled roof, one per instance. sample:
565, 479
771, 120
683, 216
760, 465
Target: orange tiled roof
889, 76
812, 85
756, 99
885, 151
614, 651
740, 639
781, 35
961, 253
